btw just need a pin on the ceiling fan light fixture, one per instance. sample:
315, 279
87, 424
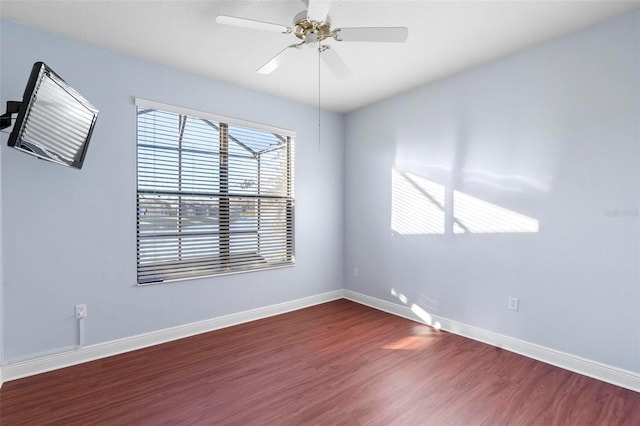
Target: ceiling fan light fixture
311, 39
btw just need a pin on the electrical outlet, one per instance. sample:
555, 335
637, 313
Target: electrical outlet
513, 303
355, 272
81, 311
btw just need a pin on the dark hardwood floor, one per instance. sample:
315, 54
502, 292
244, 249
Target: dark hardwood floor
338, 363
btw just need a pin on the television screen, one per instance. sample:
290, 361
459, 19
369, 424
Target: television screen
54, 121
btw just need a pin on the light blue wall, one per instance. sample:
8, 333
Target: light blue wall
552, 133
70, 236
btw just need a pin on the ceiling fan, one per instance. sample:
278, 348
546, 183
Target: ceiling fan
313, 28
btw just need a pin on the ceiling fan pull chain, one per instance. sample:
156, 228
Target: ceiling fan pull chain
319, 79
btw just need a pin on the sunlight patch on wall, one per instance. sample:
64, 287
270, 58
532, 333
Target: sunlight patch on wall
474, 215
424, 316
417, 310
417, 205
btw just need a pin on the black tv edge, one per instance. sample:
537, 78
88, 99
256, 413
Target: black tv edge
54, 122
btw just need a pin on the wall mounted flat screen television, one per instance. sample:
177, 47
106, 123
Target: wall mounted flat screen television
54, 122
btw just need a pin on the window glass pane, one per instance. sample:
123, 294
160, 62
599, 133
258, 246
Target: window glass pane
252, 140
199, 160
272, 180
157, 214
243, 175
157, 128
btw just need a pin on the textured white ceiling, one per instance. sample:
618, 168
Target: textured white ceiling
445, 37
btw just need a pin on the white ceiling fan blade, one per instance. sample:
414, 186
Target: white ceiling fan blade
381, 34
275, 62
318, 10
335, 63
251, 23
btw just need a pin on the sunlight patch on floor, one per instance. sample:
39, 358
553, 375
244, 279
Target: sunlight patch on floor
410, 343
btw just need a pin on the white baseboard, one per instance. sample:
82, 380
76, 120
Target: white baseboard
606, 373
596, 370
102, 350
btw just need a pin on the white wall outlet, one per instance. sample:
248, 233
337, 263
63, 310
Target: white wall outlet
81, 311
355, 272
513, 303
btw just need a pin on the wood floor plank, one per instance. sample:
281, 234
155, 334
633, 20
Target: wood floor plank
339, 363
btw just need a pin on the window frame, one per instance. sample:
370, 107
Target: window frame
225, 177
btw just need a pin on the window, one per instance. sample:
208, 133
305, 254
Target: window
215, 196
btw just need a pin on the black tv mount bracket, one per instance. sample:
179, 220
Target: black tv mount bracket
12, 108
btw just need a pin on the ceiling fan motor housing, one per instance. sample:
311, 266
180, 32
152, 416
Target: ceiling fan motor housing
303, 26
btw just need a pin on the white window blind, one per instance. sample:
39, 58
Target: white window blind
213, 197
